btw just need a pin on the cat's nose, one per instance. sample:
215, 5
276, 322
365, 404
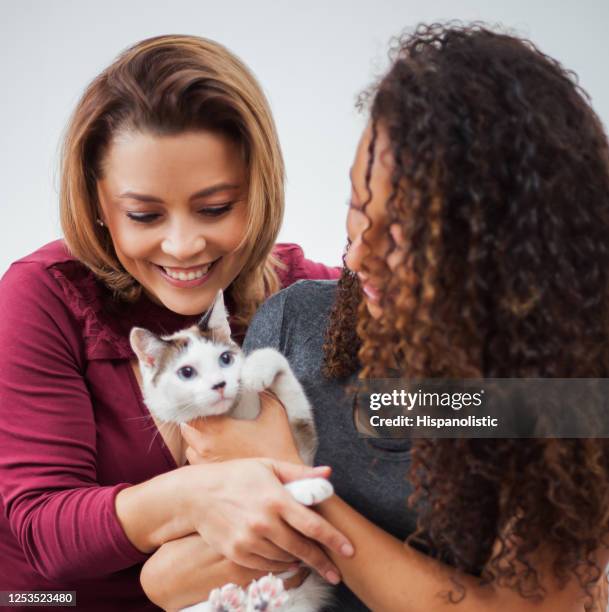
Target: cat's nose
219, 386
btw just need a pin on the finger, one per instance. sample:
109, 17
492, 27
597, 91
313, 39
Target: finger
257, 562
192, 436
194, 458
268, 550
287, 472
316, 528
309, 552
271, 409
191, 456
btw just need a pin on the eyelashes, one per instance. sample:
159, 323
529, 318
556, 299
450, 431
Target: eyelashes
216, 211
142, 217
209, 212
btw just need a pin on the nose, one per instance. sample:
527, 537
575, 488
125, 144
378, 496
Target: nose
219, 385
184, 242
356, 254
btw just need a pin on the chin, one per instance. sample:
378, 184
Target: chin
374, 309
220, 407
184, 305
187, 310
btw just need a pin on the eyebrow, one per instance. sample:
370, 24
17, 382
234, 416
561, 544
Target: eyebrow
203, 193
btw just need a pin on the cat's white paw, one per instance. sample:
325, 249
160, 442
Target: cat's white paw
229, 598
261, 368
267, 593
310, 491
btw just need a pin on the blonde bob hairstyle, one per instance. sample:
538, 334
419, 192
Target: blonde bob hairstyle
165, 86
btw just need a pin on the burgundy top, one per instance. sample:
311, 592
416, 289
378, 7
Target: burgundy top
73, 428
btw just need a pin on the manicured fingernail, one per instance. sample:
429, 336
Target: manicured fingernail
332, 577
346, 550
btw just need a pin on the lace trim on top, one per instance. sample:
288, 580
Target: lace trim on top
84, 295
106, 322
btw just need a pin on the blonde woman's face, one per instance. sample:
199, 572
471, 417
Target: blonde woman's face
176, 210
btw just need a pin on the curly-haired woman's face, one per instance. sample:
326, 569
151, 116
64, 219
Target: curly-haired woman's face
367, 218
176, 210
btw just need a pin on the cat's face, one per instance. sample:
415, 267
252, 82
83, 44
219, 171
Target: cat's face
192, 373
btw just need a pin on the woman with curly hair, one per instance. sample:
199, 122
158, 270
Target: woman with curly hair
478, 247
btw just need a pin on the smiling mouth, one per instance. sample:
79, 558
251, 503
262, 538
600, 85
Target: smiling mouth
370, 291
189, 274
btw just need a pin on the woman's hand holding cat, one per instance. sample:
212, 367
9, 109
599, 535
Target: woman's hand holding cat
242, 510
220, 438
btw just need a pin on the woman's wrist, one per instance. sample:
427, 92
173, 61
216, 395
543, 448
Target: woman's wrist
158, 510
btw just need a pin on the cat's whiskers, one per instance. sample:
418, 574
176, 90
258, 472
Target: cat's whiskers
159, 430
147, 422
187, 406
146, 417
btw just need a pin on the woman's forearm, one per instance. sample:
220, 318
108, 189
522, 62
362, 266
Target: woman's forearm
251, 528
156, 511
185, 571
388, 575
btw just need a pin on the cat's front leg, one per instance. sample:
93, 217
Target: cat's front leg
268, 369
310, 491
229, 598
261, 368
268, 594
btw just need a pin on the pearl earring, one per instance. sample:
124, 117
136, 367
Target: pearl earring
100, 222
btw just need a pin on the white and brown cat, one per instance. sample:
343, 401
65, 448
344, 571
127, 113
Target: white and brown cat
201, 372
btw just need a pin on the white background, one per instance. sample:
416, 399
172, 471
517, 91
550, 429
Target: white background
311, 56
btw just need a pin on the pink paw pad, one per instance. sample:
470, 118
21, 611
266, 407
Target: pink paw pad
267, 594
230, 598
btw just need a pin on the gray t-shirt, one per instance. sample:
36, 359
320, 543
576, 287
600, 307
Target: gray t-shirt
370, 475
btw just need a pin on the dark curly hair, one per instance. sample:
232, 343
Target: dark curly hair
501, 189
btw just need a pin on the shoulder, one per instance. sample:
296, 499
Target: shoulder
52, 269
52, 286
295, 266
34, 309
50, 254
299, 310
303, 298
317, 295
32, 277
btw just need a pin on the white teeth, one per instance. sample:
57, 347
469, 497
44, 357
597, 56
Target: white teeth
191, 275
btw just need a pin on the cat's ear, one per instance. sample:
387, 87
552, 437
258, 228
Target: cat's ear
215, 320
147, 346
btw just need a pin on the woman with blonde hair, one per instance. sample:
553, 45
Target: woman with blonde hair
172, 189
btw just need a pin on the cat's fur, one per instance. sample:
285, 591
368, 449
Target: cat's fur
201, 372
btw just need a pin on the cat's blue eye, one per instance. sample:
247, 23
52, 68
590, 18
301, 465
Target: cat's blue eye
186, 372
226, 359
